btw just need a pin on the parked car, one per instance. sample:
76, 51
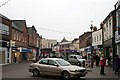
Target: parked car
56, 67
77, 60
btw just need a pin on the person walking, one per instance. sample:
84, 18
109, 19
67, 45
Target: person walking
116, 65
102, 64
97, 60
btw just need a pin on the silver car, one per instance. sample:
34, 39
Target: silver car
56, 67
77, 60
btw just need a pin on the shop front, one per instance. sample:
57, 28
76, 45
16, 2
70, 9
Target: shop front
98, 49
117, 33
117, 42
108, 51
4, 52
19, 54
82, 52
3, 55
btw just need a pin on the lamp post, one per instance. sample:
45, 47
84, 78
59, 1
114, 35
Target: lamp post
91, 27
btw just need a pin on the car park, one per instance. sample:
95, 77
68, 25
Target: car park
56, 67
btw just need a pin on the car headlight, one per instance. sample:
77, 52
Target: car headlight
74, 71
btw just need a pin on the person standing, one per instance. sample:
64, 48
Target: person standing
102, 64
116, 64
97, 60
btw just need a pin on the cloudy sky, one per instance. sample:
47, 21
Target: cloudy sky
55, 19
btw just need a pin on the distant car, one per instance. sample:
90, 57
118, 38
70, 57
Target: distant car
76, 59
56, 67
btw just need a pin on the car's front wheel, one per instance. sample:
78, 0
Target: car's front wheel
36, 73
66, 75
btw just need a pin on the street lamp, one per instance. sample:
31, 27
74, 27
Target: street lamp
91, 27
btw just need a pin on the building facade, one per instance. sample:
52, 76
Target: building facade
5, 34
47, 45
75, 46
85, 43
97, 41
117, 32
34, 43
65, 48
19, 41
108, 35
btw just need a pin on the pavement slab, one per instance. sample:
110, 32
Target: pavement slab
109, 73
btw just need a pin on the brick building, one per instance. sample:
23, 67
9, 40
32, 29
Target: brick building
85, 43
19, 41
34, 43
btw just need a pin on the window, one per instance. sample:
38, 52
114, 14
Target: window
4, 29
75, 57
43, 62
100, 37
25, 40
17, 36
97, 38
110, 28
51, 62
71, 56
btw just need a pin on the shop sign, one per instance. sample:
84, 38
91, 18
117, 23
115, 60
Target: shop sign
12, 43
29, 50
20, 49
24, 49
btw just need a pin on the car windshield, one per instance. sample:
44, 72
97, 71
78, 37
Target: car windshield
62, 62
79, 57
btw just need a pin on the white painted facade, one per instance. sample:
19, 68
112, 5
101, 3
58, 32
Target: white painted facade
108, 29
97, 37
48, 43
75, 45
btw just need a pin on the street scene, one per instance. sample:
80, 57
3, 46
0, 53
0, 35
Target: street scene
59, 40
20, 72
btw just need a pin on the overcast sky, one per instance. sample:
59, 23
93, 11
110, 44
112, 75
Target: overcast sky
55, 19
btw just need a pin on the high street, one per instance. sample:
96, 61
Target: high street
20, 71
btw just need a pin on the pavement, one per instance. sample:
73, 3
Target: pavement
109, 73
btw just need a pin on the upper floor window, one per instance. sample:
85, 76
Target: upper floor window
19, 37
4, 29
100, 37
97, 38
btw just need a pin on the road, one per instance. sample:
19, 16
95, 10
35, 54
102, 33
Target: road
20, 72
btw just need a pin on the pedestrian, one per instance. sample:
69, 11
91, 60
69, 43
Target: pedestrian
97, 60
110, 60
116, 65
20, 58
92, 61
102, 64
89, 60
85, 57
